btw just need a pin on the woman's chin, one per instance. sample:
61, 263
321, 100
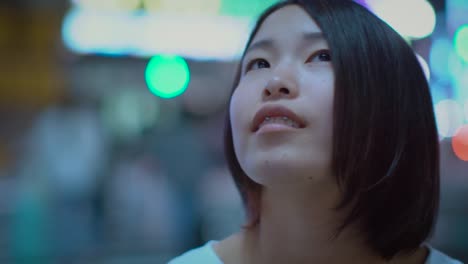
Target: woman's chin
282, 171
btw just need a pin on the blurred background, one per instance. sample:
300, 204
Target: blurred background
111, 119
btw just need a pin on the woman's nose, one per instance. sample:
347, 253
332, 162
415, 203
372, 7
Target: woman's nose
280, 87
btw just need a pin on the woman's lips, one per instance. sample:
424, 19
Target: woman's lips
274, 127
276, 117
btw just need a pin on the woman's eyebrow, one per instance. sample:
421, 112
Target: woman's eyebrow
269, 43
261, 44
313, 36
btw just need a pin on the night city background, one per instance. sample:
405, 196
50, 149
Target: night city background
111, 120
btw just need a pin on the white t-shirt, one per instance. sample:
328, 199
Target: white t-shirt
206, 255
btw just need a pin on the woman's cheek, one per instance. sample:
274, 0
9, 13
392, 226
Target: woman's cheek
235, 111
245, 99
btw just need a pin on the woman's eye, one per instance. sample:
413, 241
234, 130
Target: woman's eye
319, 56
257, 64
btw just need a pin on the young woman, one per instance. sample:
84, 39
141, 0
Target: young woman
332, 143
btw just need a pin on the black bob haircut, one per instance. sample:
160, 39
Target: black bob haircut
385, 152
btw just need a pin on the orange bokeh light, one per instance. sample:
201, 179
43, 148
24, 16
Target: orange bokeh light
460, 143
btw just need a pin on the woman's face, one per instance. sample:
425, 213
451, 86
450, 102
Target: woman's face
281, 111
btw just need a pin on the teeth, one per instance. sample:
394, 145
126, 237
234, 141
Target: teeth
280, 120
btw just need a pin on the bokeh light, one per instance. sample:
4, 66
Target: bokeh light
250, 9
460, 85
460, 143
183, 7
146, 34
167, 76
424, 66
416, 19
456, 65
438, 91
461, 42
94, 32
449, 117
466, 110
108, 5
200, 37
127, 113
438, 57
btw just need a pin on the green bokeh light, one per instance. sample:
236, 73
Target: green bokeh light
167, 76
461, 42
245, 8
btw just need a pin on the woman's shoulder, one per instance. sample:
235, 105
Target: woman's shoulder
213, 252
437, 257
204, 254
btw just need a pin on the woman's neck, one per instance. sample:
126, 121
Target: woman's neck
298, 227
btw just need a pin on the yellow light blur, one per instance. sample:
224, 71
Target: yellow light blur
108, 5
186, 7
